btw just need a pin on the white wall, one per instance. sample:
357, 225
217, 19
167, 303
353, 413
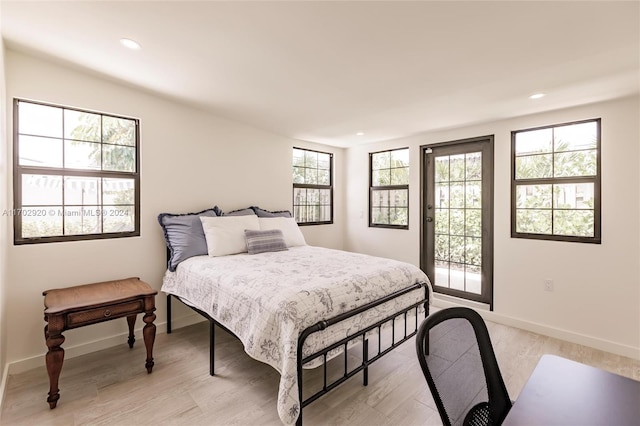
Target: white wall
4, 239
190, 160
597, 287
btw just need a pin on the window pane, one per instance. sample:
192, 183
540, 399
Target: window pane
380, 198
398, 216
399, 176
380, 215
442, 221
324, 161
323, 177
473, 279
474, 194
381, 160
576, 137
325, 213
82, 191
457, 195
473, 251
456, 276
40, 152
82, 126
573, 196
533, 196
298, 157
41, 190
299, 196
473, 222
398, 198
79, 220
576, 163
534, 142
534, 167
442, 247
400, 158
39, 120
457, 167
298, 174
533, 221
573, 222
442, 195
474, 166
311, 159
442, 273
118, 191
118, 158
43, 221
325, 197
456, 249
118, 219
442, 169
118, 131
381, 177
82, 155
456, 221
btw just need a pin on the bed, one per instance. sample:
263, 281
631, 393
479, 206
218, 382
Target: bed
299, 306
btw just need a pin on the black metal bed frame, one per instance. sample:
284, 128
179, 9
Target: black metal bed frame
321, 325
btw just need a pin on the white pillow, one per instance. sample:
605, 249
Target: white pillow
225, 234
290, 229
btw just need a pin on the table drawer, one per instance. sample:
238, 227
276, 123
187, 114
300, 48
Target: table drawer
76, 319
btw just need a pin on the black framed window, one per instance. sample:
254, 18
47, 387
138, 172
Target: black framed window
555, 186
76, 174
389, 189
312, 187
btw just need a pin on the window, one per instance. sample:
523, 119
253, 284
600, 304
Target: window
389, 189
76, 174
312, 187
555, 187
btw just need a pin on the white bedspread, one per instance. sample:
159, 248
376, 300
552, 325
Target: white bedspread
268, 299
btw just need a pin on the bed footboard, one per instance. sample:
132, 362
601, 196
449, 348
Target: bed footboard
361, 335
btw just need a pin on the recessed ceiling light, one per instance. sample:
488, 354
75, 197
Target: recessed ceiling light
360, 134
536, 96
131, 44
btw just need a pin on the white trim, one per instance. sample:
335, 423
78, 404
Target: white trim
3, 384
38, 361
558, 333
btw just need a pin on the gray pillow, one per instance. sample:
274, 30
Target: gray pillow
184, 235
266, 213
241, 212
264, 241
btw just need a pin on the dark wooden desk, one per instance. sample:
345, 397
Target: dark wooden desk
565, 392
74, 307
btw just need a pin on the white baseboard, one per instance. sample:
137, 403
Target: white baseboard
558, 333
22, 365
3, 385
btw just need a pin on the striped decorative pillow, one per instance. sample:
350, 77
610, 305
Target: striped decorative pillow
264, 241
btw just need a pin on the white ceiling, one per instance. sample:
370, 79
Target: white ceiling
323, 71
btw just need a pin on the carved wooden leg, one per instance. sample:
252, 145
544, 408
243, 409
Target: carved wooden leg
149, 333
131, 320
54, 358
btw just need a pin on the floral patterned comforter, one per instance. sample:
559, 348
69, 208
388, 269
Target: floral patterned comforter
268, 299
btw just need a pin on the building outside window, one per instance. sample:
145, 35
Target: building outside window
312, 187
389, 189
556, 182
76, 174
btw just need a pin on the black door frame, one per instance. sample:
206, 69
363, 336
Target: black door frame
487, 227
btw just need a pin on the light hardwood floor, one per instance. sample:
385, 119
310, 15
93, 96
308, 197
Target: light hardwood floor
111, 387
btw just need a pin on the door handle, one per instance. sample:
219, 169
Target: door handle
429, 219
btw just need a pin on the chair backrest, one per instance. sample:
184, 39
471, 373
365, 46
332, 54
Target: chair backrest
458, 361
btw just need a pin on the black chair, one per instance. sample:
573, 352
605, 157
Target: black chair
457, 359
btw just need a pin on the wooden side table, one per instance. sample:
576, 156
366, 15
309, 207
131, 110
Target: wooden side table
74, 307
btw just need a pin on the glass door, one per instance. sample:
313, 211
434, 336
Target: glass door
457, 248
